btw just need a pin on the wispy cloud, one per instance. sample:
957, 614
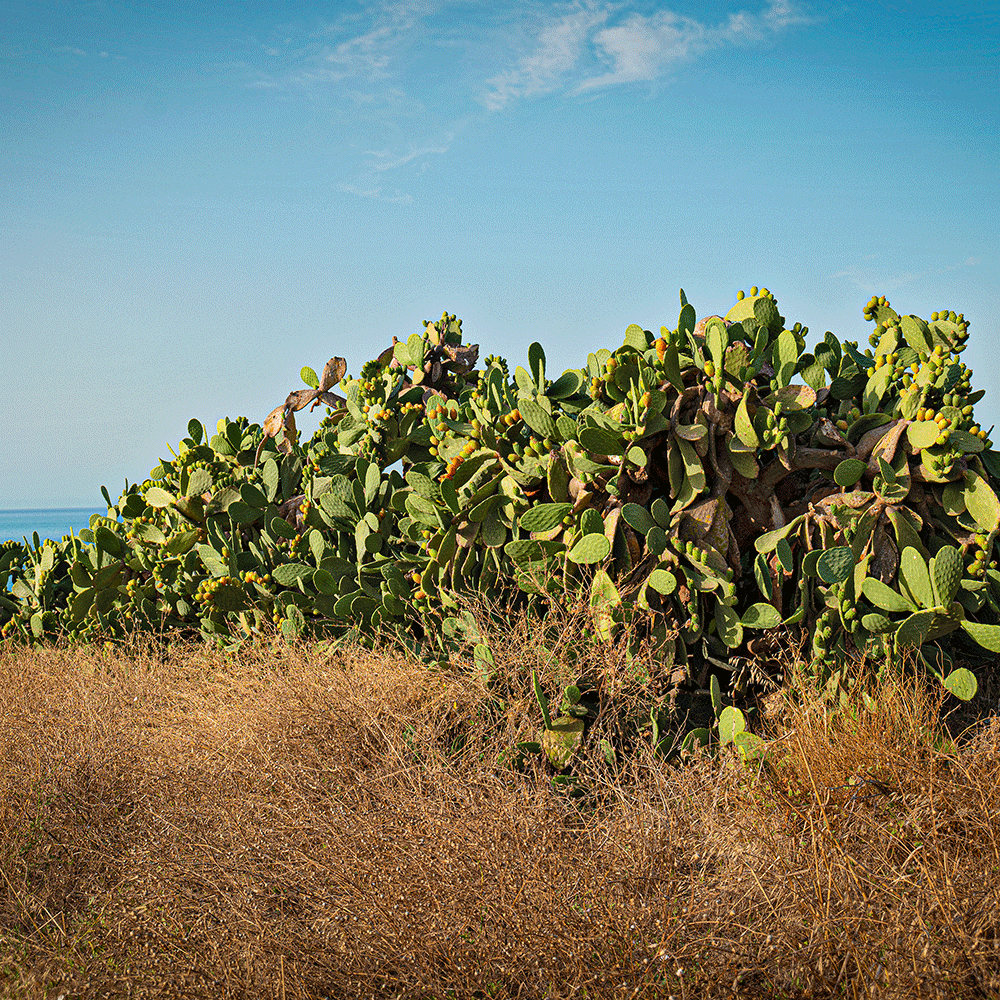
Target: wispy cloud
72, 50
395, 73
364, 66
380, 162
870, 280
368, 54
561, 44
642, 48
376, 194
577, 46
580, 49
387, 161
377, 52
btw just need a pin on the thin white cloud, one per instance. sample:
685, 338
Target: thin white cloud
580, 46
381, 161
582, 50
376, 53
385, 161
378, 66
870, 281
368, 54
375, 194
643, 47
72, 50
561, 43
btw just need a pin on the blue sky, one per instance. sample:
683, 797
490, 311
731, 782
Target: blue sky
197, 200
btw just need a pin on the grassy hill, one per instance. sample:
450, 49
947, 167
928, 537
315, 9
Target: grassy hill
293, 822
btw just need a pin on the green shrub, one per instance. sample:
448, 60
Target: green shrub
691, 489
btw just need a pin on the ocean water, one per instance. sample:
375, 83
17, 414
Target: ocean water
49, 523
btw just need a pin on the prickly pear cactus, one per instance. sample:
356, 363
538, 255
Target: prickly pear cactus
705, 485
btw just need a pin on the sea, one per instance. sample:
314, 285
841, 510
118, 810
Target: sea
47, 522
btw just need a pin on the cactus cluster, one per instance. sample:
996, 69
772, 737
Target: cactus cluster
698, 484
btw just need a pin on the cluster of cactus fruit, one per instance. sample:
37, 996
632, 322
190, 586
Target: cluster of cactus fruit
695, 489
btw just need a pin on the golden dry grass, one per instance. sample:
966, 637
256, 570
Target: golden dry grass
292, 823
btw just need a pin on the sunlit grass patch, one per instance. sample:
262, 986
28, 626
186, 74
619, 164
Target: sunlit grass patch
299, 822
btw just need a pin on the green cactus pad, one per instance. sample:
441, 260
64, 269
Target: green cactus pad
107, 577
916, 578
568, 384
786, 352
743, 458
866, 423
946, 571
884, 597
991, 462
793, 398
324, 582
987, 636
786, 557
877, 623
728, 624
750, 746
744, 424
693, 477
662, 581
695, 740
656, 540
637, 457
810, 561
592, 548
81, 605
917, 333
229, 598
660, 510
876, 386
600, 441
691, 432
544, 517
538, 419
843, 388
849, 472
761, 616
981, 502
923, 626
603, 592
768, 542
835, 565
716, 340
962, 684
731, 722
638, 517
966, 443
157, 497
288, 574
150, 533
922, 434
715, 694
636, 338
252, 496
591, 522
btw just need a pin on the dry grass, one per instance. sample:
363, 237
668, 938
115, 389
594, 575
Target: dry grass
287, 823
